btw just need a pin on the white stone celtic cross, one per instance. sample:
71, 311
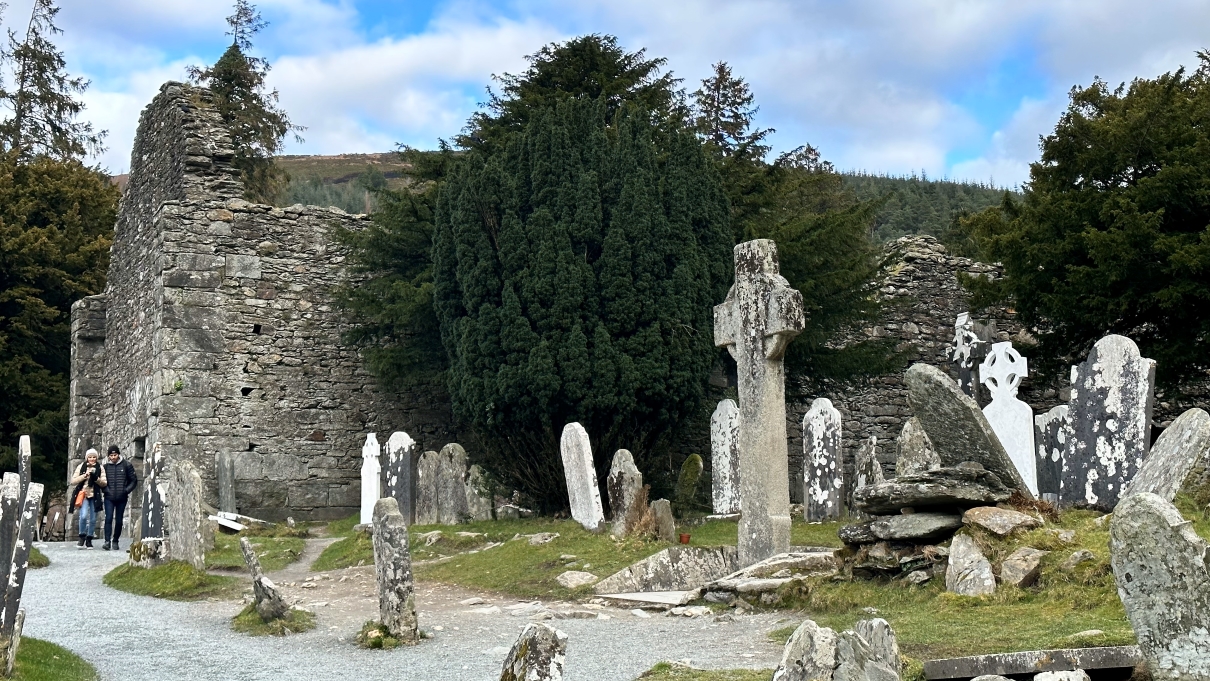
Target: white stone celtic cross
1011, 419
755, 323
371, 480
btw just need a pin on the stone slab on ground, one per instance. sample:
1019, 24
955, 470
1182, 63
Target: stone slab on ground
1033, 661
915, 526
676, 568
657, 597
937, 488
1001, 521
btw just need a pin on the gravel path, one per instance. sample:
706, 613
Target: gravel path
136, 637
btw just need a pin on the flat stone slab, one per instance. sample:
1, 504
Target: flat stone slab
657, 597
676, 568
1033, 661
938, 488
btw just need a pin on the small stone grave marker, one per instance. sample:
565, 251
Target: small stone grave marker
724, 458
399, 474
1050, 436
822, 478
623, 486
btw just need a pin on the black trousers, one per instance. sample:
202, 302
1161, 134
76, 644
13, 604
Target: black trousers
114, 510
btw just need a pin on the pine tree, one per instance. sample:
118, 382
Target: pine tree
42, 99
575, 275
258, 127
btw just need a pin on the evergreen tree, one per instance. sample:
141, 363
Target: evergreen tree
575, 273
258, 127
42, 100
1111, 235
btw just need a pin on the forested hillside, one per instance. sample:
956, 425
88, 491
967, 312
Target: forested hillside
916, 205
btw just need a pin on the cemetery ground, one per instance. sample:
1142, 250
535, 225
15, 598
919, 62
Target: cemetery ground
480, 581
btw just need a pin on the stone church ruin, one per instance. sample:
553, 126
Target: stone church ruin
217, 332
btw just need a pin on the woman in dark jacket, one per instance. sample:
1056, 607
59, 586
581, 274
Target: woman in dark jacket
88, 479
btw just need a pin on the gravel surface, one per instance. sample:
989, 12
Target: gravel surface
137, 637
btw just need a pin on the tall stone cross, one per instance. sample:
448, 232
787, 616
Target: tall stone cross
755, 323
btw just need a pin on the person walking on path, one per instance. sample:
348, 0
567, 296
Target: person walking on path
89, 479
120, 482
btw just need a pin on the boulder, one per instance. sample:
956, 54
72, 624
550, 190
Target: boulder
858, 660
783, 567
1022, 567
537, 655
1179, 460
676, 568
969, 573
859, 533
956, 425
809, 655
939, 488
574, 579
1073, 675
999, 521
1078, 558
915, 526
914, 451
1162, 570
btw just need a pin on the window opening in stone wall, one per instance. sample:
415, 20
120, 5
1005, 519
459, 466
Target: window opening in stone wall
256, 329
251, 447
246, 391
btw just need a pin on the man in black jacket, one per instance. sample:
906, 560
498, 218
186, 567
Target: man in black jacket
121, 482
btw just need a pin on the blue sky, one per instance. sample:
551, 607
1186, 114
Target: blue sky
961, 89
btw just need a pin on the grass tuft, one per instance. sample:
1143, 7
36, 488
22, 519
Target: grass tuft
275, 551
39, 660
37, 559
355, 549
295, 622
667, 671
175, 581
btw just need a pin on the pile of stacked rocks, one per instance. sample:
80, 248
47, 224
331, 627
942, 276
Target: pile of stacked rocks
948, 463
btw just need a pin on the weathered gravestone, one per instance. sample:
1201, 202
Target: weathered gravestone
623, 486
1010, 418
1050, 436
665, 525
538, 655
914, 453
1162, 570
724, 458
427, 468
184, 515
451, 485
756, 322
478, 496
1179, 460
581, 474
151, 549
268, 601
20, 503
371, 478
822, 478
1109, 423
970, 347
399, 473
393, 568
956, 426
867, 472
224, 473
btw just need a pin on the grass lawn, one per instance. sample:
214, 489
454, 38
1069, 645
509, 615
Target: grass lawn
37, 559
275, 553
175, 581
39, 660
249, 622
675, 672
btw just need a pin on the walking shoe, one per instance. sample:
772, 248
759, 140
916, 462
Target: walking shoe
105, 546
88, 542
115, 545
80, 544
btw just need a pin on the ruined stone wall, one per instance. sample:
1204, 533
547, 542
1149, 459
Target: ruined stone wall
86, 395
222, 332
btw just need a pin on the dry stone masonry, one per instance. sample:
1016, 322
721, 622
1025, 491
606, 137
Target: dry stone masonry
758, 319
724, 461
217, 331
1109, 423
823, 483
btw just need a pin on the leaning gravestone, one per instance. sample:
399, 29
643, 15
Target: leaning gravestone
478, 497
224, 473
427, 508
822, 479
1162, 570
371, 472
393, 567
758, 319
20, 503
1010, 418
623, 486
914, 453
1050, 434
583, 492
724, 458
538, 655
184, 515
956, 426
399, 473
268, 601
1109, 429
1179, 460
451, 485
